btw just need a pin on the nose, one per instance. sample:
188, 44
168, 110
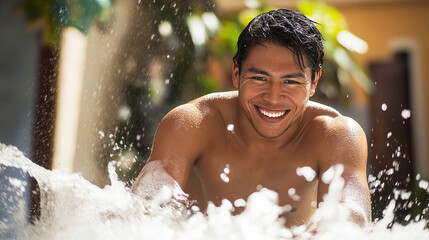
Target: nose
274, 93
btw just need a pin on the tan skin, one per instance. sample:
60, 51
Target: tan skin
193, 145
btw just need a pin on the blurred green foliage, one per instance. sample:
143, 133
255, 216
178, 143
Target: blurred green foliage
55, 15
331, 23
225, 41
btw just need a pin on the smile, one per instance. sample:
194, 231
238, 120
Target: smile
272, 114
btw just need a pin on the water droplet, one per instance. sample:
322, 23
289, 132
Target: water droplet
226, 169
407, 218
406, 113
396, 165
306, 172
230, 127
384, 107
124, 113
165, 28
224, 177
291, 192
389, 134
423, 184
418, 176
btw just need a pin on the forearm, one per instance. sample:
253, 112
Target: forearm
358, 215
153, 179
357, 200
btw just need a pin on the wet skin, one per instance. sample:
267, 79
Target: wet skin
276, 130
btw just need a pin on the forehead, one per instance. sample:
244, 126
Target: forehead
273, 55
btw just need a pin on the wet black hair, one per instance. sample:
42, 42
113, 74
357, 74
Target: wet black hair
291, 29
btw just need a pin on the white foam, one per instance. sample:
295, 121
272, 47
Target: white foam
73, 208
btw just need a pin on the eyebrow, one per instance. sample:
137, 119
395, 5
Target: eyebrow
291, 75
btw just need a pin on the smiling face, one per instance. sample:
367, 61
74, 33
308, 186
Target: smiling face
273, 89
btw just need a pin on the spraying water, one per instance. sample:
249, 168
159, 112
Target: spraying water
73, 208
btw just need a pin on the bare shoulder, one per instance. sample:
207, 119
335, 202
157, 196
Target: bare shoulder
201, 114
330, 122
335, 133
196, 112
219, 101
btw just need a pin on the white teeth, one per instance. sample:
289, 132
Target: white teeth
272, 114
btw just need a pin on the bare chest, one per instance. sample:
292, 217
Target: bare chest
233, 173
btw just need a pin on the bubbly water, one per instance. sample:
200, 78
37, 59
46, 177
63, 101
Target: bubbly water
73, 208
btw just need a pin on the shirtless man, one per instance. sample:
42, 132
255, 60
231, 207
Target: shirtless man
267, 129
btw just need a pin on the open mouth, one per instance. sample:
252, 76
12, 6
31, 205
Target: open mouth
272, 114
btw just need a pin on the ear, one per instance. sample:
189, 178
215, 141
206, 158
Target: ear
315, 81
235, 75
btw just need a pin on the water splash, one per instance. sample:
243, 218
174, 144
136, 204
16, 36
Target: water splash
73, 208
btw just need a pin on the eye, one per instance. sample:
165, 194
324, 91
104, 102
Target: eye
259, 78
291, 82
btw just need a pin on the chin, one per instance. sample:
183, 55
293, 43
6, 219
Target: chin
270, 135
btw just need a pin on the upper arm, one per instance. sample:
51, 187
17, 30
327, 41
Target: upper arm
346, 144
178, 143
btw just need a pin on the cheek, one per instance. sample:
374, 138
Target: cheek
299, 96
297, 92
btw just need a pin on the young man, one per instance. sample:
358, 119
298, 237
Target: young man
228, 145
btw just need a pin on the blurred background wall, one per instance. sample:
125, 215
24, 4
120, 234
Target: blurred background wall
19, 55
85, 83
